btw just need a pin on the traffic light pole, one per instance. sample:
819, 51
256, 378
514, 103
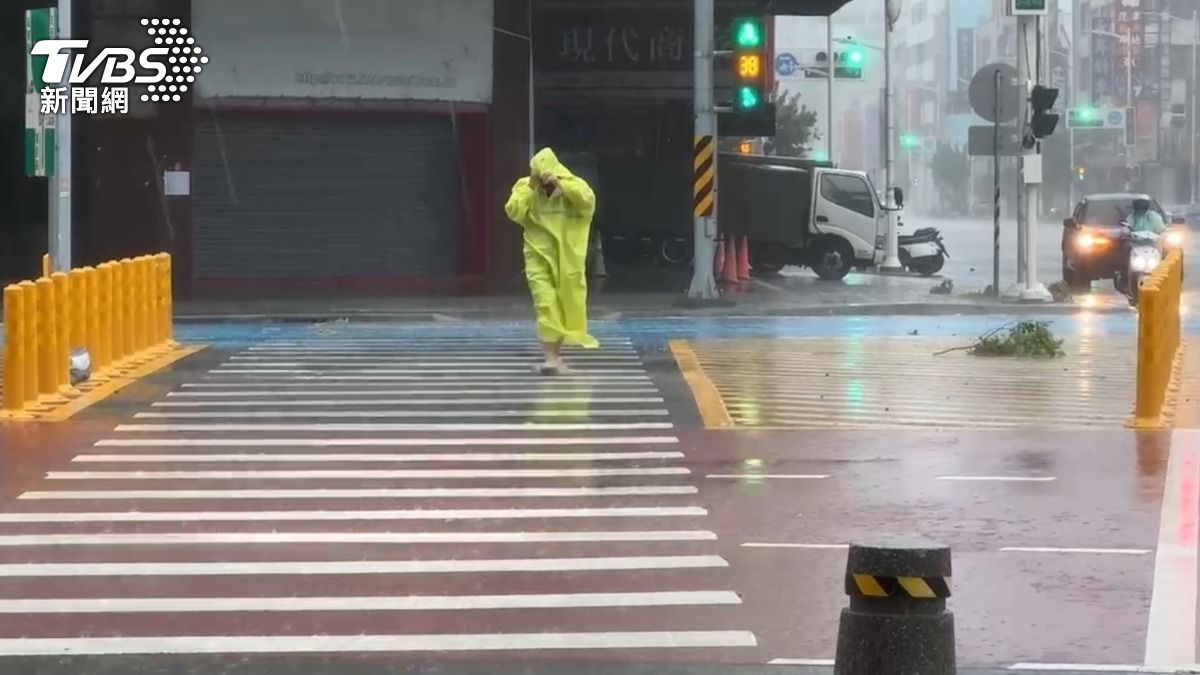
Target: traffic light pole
891, 245
704, 227
1029, 61
60, 182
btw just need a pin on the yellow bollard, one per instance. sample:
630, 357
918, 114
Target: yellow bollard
47, 337
30, 362
129, 316
62, 333
146, 304
105, 308
78, 308
141, 304
14, 344
46, 265
91, 320
157, 339
169, 301
120, 291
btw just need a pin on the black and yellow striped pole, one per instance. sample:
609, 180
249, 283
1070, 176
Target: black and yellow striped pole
704, 177
897, 621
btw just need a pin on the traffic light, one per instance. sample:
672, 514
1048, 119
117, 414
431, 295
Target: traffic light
1043, 122
749, 64
820, 156
1080, 172
1084, 118
745, 147
854, 59
909, 142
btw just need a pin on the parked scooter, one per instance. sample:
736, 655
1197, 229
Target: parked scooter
922, 251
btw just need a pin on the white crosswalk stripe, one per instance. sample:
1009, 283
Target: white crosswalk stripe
363, 474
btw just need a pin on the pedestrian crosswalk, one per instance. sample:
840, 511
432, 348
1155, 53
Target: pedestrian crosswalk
871, 383
372, 493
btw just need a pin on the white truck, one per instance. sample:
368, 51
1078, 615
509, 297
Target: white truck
801, 212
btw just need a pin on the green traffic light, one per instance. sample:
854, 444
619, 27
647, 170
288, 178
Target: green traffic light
856, 56
747, 34
747, 98
1087, 114
820, 156
910, 141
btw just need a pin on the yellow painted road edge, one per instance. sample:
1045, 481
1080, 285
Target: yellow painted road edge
117, 383
1171, 403
708, 399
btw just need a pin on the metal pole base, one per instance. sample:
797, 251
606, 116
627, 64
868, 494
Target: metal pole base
1036, 293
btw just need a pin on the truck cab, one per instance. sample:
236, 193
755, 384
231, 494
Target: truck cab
800, 212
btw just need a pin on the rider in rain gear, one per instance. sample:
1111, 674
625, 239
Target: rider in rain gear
554, 208
1145, 219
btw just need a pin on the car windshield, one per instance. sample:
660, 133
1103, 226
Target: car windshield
1109, 212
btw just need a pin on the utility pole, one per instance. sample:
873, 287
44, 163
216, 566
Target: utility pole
1195, 83
891, 251
829, 85
704, 159
59, 185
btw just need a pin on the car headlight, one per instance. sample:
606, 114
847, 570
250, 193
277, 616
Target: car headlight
1087, 241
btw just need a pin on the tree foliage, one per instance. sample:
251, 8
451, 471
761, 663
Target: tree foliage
795, 125
951, 170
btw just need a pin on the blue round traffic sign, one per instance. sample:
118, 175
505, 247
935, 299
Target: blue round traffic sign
1115, 118
786, 64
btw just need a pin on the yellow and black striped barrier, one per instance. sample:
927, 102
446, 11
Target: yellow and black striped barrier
897, 623
876, 586
704, 176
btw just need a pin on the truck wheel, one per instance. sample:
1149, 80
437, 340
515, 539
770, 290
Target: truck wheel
833, 260
674, 252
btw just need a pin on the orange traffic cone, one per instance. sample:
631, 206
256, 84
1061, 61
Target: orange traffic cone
719, 257
729, 270
743, 261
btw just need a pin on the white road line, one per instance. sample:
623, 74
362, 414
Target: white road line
817, 547
1085, 551
346, 567
534, 393
435, 386
293, 361
382, 457
279, 644
326, 516
1171, 632
204, 538
323, 348
232, 369
367, 427
1001, 479
368, 603
800, 662
1085, 668
362, 493
426, 380
401, 414
379, 442
367, 402
795, 476
366, 474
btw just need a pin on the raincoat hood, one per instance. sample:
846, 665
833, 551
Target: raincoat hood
545, 161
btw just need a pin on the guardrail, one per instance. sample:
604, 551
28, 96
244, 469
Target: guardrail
119, 312
1159, 331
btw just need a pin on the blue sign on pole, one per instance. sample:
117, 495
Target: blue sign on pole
786, 64
1116, 118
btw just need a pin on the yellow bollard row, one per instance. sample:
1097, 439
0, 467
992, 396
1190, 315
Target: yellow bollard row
120, 312
1159, 333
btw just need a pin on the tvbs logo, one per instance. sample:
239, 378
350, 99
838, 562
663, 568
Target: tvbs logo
168, 68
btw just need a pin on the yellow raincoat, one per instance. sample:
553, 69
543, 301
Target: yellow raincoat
556, 241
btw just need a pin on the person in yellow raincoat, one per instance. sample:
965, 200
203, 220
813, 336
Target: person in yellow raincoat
554, 208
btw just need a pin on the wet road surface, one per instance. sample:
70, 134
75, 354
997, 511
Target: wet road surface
354, 484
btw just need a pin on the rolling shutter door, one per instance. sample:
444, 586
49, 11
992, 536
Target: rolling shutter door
294, 196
